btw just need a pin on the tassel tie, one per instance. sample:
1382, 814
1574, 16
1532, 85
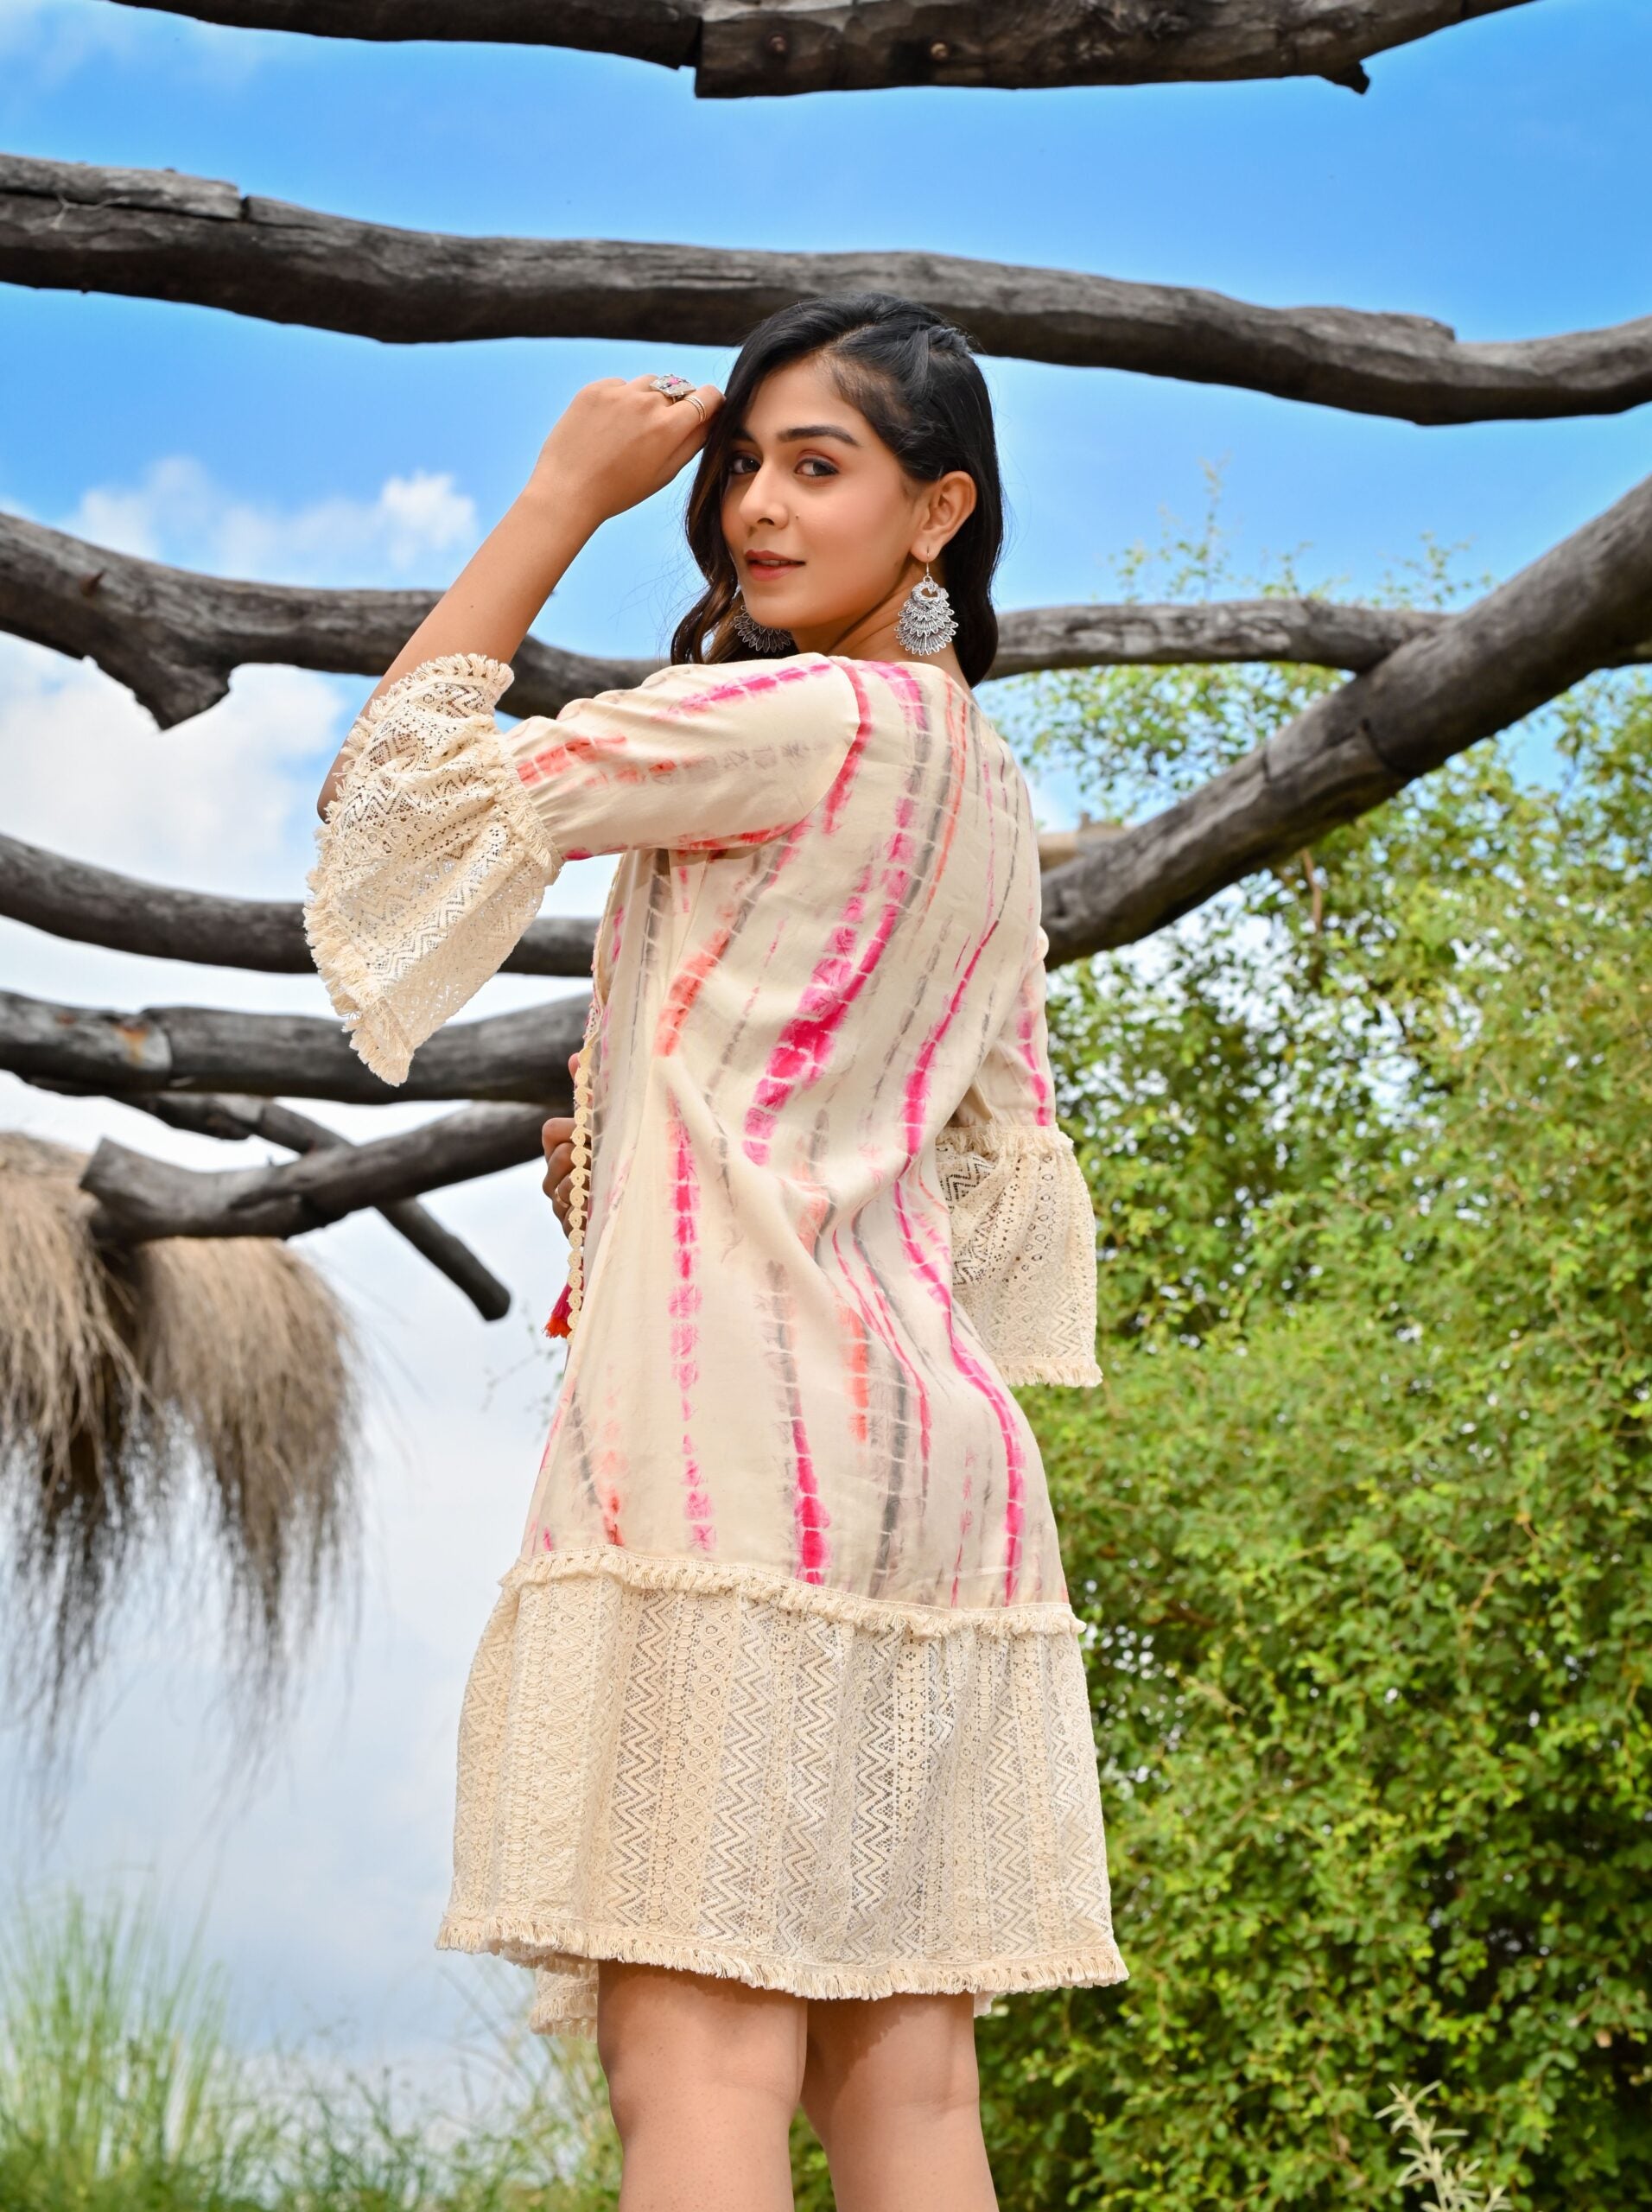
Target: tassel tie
565, 1311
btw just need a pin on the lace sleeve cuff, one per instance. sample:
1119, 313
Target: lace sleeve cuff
1023, 1246
431, 860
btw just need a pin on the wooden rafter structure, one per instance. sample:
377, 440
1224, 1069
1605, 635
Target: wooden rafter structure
1421, 686
740, 47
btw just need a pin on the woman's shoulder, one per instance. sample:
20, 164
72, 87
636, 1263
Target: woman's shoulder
797, 688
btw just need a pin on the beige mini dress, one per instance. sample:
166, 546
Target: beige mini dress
784, 1683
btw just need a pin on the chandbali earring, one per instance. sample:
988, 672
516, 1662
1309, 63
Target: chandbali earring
926, 623
758, 635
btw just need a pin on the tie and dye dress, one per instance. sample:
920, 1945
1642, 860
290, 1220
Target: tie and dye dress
783, 1683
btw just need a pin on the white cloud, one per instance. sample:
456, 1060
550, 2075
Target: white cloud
54, 39
225, 801
177, 512
323, 1887
58, 36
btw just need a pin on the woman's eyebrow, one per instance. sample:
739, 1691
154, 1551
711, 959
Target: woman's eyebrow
807, 430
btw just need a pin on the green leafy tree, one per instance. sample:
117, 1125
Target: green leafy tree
1360, 1520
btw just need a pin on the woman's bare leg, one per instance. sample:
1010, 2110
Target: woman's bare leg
704, 2074
891, 2088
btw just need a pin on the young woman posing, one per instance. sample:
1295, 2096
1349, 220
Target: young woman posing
775, 1761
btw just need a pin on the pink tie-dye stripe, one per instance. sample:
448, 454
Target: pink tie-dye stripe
940, 1288
1028, 1018
843, 783
686, 986
805, 1044
811, 1519
684, 1305
875, 1313
915, 1090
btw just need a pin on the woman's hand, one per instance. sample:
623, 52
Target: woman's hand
557, 1138
616, 443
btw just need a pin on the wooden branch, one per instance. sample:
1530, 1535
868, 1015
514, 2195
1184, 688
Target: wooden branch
739, 47
158, 235
140, 1197
194, 1049
1573, 610
175, 637
95, 906
1581, 605
172, 635
229, 1117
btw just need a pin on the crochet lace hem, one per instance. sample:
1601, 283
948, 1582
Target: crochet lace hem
717, 1769
563, 1956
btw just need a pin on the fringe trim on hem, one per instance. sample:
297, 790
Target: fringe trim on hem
551, 1945
996, 1138
658, 1571
722, 1768
1016, 1372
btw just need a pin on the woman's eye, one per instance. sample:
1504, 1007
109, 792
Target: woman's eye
737, 464
815, 464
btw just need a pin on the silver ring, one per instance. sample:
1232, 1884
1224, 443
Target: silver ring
694, 400
674, 386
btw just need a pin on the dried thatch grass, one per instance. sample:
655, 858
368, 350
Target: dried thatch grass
133, 1386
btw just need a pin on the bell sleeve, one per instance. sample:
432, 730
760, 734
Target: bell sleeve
445, 831
1022, 1225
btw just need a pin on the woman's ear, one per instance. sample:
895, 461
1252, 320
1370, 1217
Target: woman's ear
951, 502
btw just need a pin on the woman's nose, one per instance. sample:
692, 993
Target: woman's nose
761, 501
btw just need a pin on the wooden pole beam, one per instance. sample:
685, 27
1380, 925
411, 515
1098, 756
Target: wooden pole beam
740, 48
157, 235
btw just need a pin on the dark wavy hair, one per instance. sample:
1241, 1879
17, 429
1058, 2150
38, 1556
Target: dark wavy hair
914, 377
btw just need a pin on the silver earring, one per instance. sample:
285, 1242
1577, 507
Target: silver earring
758, 635
926, 623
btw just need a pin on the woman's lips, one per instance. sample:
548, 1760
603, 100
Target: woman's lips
768, 565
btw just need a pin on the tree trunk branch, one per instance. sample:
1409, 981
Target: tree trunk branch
95, 906
1571, 611
141, 1197
174, 637
229, 1117
741, 47
157, 235
194, 1049
1581, 605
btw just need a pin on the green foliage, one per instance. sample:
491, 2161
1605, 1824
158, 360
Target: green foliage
122, 2090
1428, 2165
1360, 1519
116, 2086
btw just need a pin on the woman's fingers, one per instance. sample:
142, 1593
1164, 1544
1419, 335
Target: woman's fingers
690, 422
557, 1139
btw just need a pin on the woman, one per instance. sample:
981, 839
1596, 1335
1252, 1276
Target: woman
775, 1760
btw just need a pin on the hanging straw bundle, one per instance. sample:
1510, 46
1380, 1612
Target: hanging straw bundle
137, 1385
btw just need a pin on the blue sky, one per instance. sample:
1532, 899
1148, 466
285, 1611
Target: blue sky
1494, 177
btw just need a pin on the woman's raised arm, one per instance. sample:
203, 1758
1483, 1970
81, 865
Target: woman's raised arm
615, 444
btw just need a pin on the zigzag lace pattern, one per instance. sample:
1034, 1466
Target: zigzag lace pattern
1023, 1246
431, 861
724, 1769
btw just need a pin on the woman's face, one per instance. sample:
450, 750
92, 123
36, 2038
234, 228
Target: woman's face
827, 533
